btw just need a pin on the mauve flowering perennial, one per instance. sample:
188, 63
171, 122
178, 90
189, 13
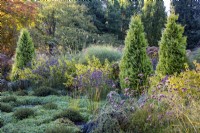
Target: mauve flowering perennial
164, 80
184, 89
96, 79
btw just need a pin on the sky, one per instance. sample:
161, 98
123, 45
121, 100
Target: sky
167, 5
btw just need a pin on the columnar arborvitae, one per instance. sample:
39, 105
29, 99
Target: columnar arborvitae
135, 65
25, 52
154, 18
172, 52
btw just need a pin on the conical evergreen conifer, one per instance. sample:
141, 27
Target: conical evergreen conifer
135, 65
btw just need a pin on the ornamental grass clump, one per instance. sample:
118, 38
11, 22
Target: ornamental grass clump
101, 52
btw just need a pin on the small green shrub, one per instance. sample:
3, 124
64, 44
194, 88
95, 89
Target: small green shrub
1, 122
58, 129
9, 99
35, 101
100, 52
5, 107
50, 106
71, 114
23, 113
21, 93
44, 91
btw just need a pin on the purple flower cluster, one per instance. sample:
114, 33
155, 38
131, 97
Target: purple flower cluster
94, 79
115, 100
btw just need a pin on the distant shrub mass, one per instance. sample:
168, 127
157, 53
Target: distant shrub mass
50, 71
194, 55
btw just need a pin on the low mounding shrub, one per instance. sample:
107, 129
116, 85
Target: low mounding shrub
100, 52
29, 101
23, 113
44, 91
50, 106
58, 129
9, 99
5, 107
21, 93
71, 114
1, 122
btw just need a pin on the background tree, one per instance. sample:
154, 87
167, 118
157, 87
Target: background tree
114, 19
154, 19
189, 16
24, 53
64, 23
172, 52
113, 16
97, 10
135, 65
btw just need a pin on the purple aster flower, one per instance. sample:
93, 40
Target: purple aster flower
184, 89
164, 79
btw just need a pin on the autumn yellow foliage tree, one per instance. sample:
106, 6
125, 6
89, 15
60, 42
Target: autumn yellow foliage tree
14, 14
